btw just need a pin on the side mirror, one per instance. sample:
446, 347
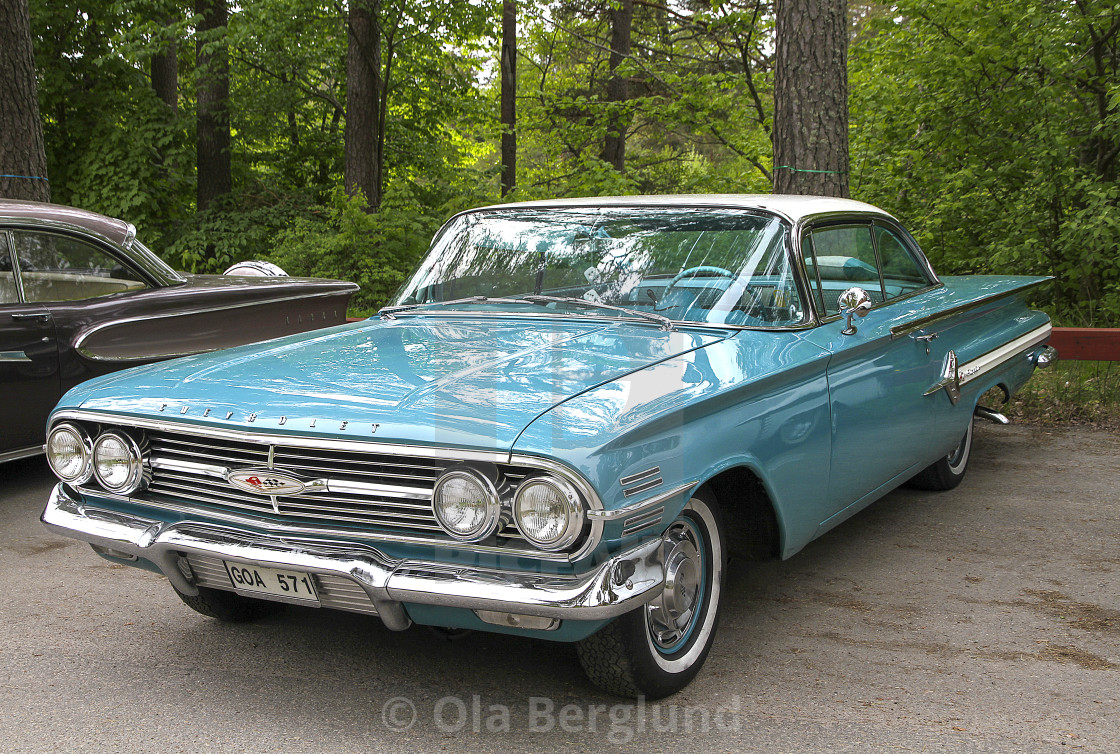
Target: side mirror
853, 302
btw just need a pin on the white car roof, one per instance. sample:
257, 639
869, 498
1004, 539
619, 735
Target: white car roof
790, 206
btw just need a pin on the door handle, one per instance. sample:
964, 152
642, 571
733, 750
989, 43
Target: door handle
925, 339
44, 316
14, 356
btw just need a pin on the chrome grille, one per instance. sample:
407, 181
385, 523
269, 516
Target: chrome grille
334, 591
390, 492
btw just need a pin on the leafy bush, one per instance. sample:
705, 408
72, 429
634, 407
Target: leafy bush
340, 240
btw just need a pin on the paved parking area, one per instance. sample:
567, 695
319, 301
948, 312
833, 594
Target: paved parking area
983, 619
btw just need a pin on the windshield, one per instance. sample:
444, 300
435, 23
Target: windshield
719, 266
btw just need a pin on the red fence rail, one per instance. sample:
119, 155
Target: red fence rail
1086, 343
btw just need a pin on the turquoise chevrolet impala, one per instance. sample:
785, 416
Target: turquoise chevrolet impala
571, 415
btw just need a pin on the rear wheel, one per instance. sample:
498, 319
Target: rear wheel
948, 472
659, 648
228, 606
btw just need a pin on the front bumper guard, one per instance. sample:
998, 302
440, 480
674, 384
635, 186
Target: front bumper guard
609, 589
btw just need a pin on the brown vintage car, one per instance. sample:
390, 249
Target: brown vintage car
81, 296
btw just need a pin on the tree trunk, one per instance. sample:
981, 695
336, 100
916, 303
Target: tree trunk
165, 73
811, 98
215, 176
614, 144
509, 95
362, 170
23, 156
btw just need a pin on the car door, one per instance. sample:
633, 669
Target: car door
29, 371
884, 423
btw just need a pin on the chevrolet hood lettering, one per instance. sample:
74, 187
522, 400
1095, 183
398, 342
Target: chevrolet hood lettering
451, 382
265, 482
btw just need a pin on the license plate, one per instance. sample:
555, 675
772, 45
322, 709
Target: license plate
286, 585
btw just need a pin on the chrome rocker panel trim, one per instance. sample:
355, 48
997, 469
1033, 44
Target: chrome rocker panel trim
609, 589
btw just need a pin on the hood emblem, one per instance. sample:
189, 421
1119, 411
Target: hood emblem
265, 482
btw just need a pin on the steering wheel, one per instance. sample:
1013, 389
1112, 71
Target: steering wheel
703, 269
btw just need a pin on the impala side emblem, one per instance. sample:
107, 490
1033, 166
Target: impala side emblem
265, 482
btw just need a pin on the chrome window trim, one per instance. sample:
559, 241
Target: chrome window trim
158, 274
17, 274
858, 219
773, 214
586, 490
79, 344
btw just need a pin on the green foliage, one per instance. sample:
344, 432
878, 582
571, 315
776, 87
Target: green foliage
1082, 392
992, 129
230, 232
112, 146
340, 240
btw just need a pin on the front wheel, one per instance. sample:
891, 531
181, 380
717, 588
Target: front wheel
659, 648
946, 473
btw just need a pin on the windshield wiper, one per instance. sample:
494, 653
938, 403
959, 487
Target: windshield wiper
665, 322
388, 311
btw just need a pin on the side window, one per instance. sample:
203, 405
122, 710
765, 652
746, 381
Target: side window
841, 258
61, 268
8, 292
901, 272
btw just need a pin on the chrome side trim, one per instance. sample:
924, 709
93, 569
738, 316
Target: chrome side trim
11, 357
649, 519
79, 344
643, 487
628, 480
629, 510
914, 325
955, 375
978, 367
609, 589
18, 453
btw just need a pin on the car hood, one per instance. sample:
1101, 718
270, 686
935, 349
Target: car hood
444, 381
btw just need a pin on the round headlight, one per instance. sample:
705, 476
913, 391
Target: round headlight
70, 453
467, 504
548, 512
118, 463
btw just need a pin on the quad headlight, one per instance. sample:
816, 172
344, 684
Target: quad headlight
70, 453
467, 504
548, 512
118, 463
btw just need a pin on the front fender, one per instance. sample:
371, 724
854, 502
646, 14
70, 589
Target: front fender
759, 399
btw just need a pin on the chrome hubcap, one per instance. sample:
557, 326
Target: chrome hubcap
670, 615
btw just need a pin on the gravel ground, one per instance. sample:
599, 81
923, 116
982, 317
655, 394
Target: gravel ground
984, 619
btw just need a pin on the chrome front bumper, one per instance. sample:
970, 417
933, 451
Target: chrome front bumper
611, 588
